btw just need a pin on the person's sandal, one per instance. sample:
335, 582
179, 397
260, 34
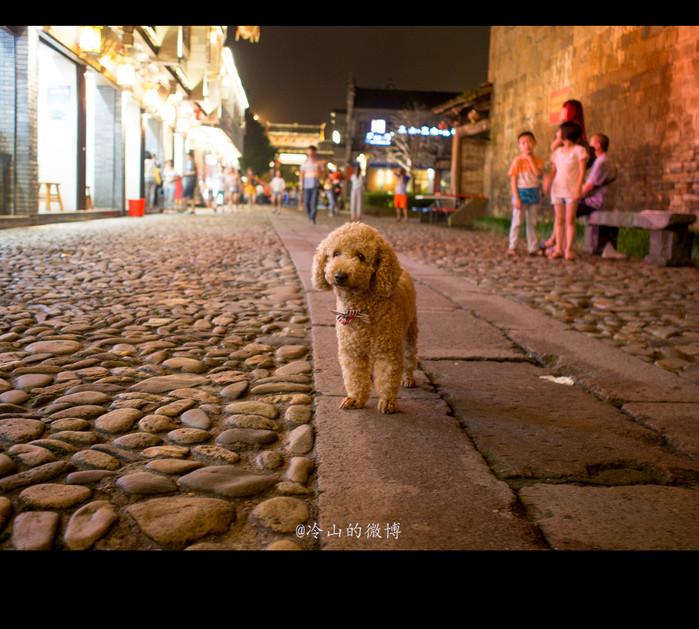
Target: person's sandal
554, 255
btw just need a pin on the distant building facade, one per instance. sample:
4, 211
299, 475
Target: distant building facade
384, 127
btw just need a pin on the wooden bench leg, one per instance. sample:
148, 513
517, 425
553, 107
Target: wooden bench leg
670, 247
597, 236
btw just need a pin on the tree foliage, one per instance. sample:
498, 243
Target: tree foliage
257, 150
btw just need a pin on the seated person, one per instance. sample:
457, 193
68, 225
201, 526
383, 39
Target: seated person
598, 178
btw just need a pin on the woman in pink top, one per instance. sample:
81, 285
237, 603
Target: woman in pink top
568, 170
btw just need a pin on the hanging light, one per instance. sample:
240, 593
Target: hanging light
126, 74
90, 39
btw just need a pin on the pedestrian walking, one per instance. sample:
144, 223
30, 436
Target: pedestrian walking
356, 195
189, 180
400, 195
149, 167
310, 183
525, 181
250, 188
277, 185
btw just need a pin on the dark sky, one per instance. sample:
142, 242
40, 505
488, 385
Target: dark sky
299, 73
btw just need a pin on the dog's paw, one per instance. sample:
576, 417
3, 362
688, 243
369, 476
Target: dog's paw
350, 402
387, 406
408, 381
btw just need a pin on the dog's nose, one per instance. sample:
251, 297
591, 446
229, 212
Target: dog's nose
340, 278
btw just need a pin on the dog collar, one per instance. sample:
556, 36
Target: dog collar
348, 315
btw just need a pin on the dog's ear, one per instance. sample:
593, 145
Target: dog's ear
318, 268
387, 271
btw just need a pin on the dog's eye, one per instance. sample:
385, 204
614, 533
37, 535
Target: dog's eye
361, 257
335, 254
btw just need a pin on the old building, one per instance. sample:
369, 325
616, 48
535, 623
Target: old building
638, 85
80, 106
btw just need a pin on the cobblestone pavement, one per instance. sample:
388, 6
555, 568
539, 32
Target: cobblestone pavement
650, 312
155, 387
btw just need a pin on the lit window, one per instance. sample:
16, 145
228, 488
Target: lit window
378, 126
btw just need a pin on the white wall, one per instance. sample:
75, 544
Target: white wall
132, 153
58, 124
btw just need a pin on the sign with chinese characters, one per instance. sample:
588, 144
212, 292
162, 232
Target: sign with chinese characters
385, 138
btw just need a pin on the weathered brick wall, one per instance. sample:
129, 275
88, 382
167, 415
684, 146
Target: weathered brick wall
638, 84
471, 171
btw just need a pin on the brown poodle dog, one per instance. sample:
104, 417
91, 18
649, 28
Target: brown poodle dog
377, 317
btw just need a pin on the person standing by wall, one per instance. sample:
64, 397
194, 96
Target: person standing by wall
310, 183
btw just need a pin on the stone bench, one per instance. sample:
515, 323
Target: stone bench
670, 237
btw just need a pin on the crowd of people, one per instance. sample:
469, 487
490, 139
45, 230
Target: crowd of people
575, 179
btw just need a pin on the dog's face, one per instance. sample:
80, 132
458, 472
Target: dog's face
355, 257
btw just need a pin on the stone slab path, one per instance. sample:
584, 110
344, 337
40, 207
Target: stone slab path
491, 451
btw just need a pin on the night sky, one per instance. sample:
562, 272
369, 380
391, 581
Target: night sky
299, 74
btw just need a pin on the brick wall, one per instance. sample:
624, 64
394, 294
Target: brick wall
637, 84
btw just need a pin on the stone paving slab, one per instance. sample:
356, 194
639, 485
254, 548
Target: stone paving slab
679, 423
458, 334
416, 468
320, 304
528, 428
608, 371
641, 517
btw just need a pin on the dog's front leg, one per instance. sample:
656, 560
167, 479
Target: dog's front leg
356, 374
388, 370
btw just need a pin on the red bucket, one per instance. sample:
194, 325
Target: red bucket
137, 207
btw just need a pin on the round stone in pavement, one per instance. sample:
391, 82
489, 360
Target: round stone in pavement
14, 397
88, 524
189, 365
70, 424
33, 380
54, 496
188, 436
162, 384
227, 480
31, 456
157, 423
270, 459
5, 510
93, 459
146, 483
251, 421
86, 477
289, 352
20, 430
300, 440
180, 520
281, 514
294, 368
252, 408
298, 414
120, 420
241, 437
299, 469
215, 455
235, 390
195, 418
208, 546
53, 347
83, 397
138, 441
283, 544
173, 466
34, 530
7, 465
166, 451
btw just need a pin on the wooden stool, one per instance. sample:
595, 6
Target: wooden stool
88, 199
49, 196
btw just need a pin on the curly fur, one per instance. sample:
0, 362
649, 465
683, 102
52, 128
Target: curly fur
384, 349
